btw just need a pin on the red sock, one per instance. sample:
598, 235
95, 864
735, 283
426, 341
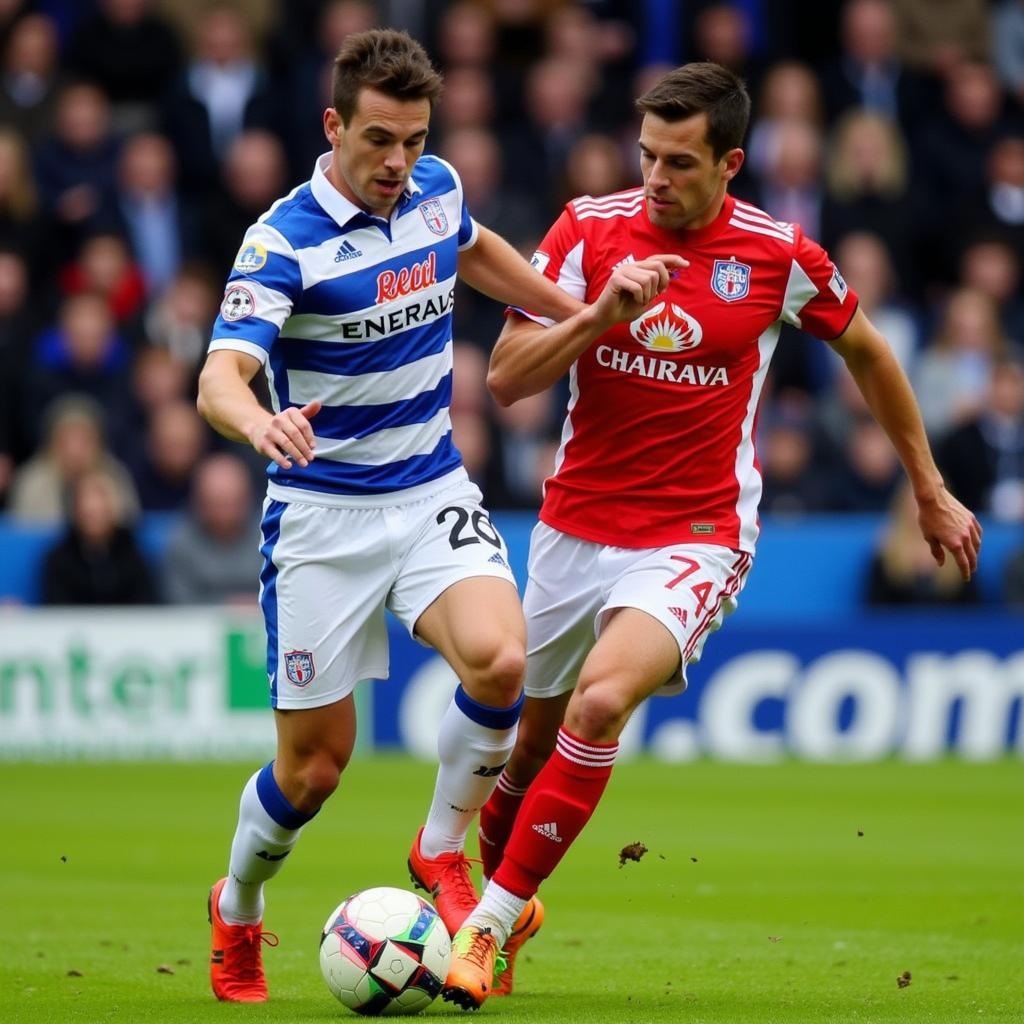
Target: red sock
497, 817
554, 812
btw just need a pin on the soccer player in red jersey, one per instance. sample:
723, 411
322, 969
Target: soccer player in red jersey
649, 523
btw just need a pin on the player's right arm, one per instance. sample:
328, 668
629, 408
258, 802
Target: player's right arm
529, 357
228, 404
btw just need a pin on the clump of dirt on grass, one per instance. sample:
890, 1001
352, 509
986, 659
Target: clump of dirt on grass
903, 980
631, 851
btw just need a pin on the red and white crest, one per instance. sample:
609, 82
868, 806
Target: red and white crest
299, 667
434, 216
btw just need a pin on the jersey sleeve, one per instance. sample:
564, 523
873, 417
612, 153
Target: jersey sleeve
817, 300
264, 285
560, 259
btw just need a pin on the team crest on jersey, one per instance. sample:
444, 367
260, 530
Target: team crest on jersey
299, 667
666, 328
238, 303
434, 215
730, 280
250, 258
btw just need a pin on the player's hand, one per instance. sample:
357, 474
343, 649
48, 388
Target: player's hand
949, 526
287, 436
633, 286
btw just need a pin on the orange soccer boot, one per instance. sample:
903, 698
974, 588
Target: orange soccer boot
236, 963
527, 925
476, 962
446, 878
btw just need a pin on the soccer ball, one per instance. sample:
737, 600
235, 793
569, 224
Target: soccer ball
385, 951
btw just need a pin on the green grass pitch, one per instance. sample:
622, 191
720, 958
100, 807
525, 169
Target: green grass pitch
793, 893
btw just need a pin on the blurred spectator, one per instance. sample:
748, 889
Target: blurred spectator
467, 102
132, 53
983, 460
792, 481
867, 477
466, 36
22, 225
1008, 46
175, 441
212, 556
104, 267
952, 375
722, 32
790, 92
181, 319
30, 77
574, 35
97, 561
1013, 580
254, 177
791, 188
476, 154
75, 164
469, 408
993, 268
869, 73
903, 571
81, 353
17, 329
595, 167
523, 457
993, 207
159, 378
73, 445
162, 226
306, 76
867, 186
952, 147
868, 270
557, 95
936, 35
221, 92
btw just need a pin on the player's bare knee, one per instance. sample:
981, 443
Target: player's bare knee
497, 677
598, 712
316, 779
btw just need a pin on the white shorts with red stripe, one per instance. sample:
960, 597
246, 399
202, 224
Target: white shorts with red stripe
575, 584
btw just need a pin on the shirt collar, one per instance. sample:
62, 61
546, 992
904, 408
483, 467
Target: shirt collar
340, 207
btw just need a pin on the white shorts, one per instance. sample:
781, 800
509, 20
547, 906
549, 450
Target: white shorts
329, 572
574, 584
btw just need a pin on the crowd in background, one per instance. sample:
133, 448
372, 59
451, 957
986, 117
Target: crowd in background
139, 139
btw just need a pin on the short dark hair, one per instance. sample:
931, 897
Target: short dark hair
384, 59
703, 88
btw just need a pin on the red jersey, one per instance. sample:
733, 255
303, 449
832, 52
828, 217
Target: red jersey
657, 446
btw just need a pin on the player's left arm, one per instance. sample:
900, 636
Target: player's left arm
493, 267
945, 523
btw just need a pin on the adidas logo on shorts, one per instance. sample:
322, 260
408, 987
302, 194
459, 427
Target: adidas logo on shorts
550, 830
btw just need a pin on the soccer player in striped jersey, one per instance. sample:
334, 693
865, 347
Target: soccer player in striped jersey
342, 294
649, 523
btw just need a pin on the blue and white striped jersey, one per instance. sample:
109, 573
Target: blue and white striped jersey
355, 311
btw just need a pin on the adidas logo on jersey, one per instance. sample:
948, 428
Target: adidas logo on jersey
630, 258
550, 830
346, 251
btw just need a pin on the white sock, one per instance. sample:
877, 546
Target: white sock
498, 910
473, 744
259, 848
